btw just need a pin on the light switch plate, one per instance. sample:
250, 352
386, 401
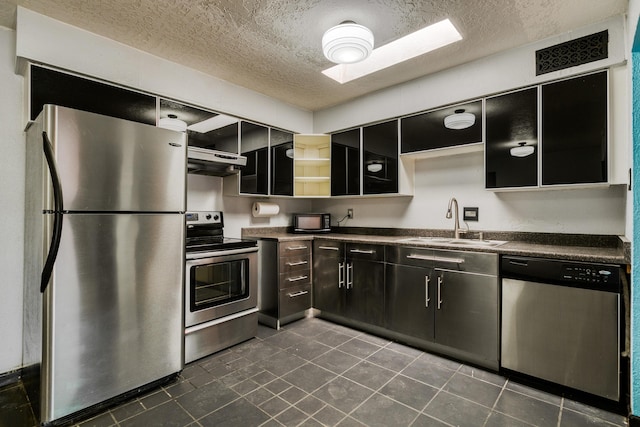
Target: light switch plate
470, 214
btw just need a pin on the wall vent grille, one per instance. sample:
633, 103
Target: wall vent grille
580, 51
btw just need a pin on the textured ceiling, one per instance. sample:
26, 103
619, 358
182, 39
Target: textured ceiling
273, 46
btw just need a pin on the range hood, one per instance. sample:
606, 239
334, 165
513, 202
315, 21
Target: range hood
203, 161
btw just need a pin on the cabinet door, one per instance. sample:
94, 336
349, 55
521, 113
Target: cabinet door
409, 301
345, 163
204, 127
365, 283
54, 87
254, 143
574, 130
427, 131
328, 277
281, 162
467, 312
380, 157
511, 121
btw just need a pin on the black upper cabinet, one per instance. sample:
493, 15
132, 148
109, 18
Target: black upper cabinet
427, 131
281, 163
202, 131
512, 122
380, 158
53, 87
345, 163
574, 130
254, 144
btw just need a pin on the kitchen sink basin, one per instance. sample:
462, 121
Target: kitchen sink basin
454, 242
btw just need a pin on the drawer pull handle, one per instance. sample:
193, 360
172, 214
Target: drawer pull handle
296, 248
297, 279
297, 294
293, 264
329, 248
360, 251
436, 258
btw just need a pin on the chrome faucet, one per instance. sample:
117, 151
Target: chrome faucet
456, 225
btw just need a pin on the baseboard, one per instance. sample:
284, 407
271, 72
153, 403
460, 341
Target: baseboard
11, 377
634, 421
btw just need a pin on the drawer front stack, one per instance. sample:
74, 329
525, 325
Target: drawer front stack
294, 284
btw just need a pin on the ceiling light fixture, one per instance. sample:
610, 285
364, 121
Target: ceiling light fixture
415, 44
173, 123
459, 120
522, 150
347, 43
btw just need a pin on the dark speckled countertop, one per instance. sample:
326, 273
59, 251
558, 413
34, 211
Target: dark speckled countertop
578, 247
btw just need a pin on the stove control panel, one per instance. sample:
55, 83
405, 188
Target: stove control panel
203, 218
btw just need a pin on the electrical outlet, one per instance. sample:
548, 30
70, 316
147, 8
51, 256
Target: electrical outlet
470, 214
350, 213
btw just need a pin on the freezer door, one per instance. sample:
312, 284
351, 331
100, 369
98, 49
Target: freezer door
110, 164
113, 311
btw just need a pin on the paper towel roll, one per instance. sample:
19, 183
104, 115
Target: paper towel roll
261, 209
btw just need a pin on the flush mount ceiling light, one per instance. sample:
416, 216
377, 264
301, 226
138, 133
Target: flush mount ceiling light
173, 123
347, 43
459, 120
522, 150
415, 44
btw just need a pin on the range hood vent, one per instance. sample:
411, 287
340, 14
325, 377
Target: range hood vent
202, 161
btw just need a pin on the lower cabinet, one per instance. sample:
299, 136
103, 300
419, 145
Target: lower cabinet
445, 299
349, 281
285, 281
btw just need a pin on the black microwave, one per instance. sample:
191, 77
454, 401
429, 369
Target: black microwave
311, 222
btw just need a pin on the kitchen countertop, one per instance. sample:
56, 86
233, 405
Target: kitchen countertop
606, 249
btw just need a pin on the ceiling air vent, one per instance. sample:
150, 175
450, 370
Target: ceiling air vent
574, 52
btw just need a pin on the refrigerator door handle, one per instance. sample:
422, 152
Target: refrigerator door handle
58, 208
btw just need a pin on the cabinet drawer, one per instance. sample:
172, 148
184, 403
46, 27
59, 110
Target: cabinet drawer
290, 264
295, 247
295, 278
295, 300
365, 252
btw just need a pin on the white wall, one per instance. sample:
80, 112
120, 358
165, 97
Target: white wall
11, 206
596, 211
205, 193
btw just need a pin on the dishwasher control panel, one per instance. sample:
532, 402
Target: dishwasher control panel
568, 273
589, 273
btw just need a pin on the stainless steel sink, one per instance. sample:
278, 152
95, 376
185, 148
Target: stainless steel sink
454, 242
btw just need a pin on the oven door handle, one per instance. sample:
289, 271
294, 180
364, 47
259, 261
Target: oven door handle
212, 254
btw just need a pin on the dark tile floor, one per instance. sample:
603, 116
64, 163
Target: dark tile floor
315, 373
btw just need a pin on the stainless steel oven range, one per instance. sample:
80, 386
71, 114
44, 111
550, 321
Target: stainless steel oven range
221, 295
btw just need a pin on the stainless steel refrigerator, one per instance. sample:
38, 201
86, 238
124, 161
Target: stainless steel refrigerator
104, 259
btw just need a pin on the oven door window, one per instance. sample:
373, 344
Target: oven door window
219, 283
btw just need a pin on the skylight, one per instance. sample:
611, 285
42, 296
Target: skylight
415, 44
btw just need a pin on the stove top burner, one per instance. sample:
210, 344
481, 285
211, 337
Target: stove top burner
204, 234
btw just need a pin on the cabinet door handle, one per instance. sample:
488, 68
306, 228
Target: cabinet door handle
439, 292
340, 275
436, 258
426, 291
349, 276
297, 279
329, 248
360, 251
293, 264
296, 248
297, 294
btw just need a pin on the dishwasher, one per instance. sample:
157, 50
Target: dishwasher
561, 322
